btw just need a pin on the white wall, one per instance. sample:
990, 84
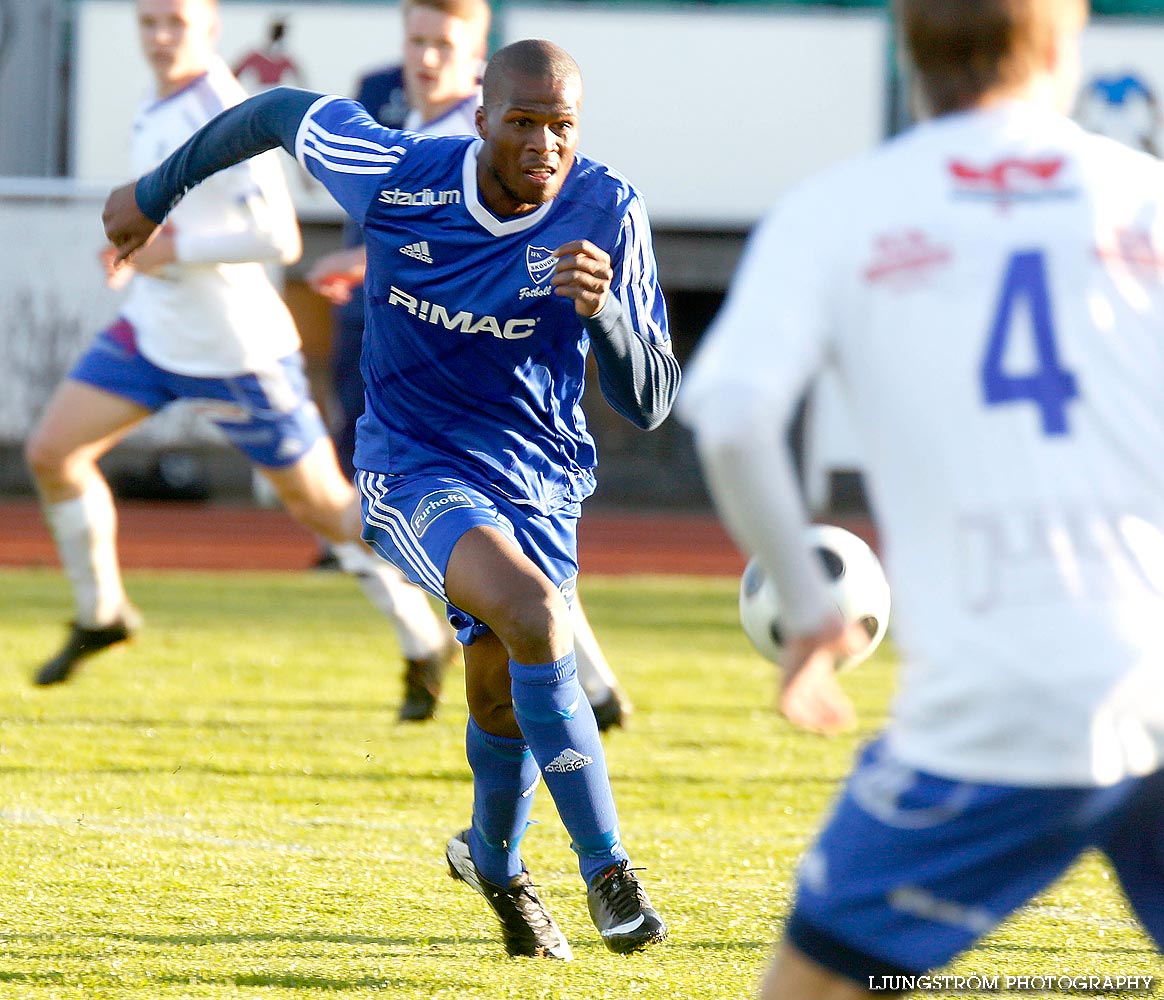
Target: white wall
53, 299
713, 112
52, 291
710, 112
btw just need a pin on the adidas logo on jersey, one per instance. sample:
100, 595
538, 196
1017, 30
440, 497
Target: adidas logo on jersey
418, 251
568, 760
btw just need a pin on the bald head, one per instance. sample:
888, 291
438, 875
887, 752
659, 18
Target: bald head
530, 107
529, 59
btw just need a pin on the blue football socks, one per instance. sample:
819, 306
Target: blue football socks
505, 776
559, 725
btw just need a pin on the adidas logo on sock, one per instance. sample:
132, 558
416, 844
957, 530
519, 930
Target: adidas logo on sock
568, 760
418, 251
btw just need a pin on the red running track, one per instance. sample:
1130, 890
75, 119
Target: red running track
213, 537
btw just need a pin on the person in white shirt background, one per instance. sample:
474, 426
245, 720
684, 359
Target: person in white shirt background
201, 321
988, 288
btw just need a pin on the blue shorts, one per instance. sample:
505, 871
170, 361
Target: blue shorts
268, 416
414, 522
912, 869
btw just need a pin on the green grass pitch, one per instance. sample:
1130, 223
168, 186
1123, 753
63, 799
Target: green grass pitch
228, 809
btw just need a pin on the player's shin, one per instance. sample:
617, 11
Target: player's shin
505, 776
552, 711
85, 531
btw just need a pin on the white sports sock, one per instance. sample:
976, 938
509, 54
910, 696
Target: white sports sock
419, 632
594, 673
85, 530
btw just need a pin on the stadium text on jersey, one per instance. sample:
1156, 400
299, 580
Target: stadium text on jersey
426, 197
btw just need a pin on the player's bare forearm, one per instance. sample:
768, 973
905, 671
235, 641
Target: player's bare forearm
158, 252
811, 697
335, 274
126, 226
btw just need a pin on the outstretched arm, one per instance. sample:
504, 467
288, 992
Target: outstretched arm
135, 210
750, 370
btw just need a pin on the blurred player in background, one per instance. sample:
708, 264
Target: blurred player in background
202, 322
990, 288
436, 92
495, 265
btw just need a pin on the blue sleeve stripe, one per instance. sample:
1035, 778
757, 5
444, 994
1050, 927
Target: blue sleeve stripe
305, 124
356, 157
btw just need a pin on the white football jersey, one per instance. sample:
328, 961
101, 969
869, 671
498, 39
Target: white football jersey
989, 288
461, 119
214, 312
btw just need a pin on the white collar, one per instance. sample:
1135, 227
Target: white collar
485, 218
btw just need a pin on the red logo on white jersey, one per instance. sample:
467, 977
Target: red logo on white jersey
1010, 180
904, 254
1133, 250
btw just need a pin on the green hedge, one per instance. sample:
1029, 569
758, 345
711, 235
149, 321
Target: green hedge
1112, 7
1128, 6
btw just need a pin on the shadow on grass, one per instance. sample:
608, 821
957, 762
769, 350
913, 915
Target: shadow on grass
416, 946
289, 981
258, 937
1077, 951
376, 774
282, 980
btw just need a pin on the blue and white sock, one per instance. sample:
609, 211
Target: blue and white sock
505, 776
559, 724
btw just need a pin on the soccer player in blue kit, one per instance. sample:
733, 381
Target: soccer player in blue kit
494, 265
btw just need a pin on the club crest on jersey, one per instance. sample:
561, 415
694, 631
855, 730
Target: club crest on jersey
434, 505
539, 261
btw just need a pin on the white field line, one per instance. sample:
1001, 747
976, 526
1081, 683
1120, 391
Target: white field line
170, 828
